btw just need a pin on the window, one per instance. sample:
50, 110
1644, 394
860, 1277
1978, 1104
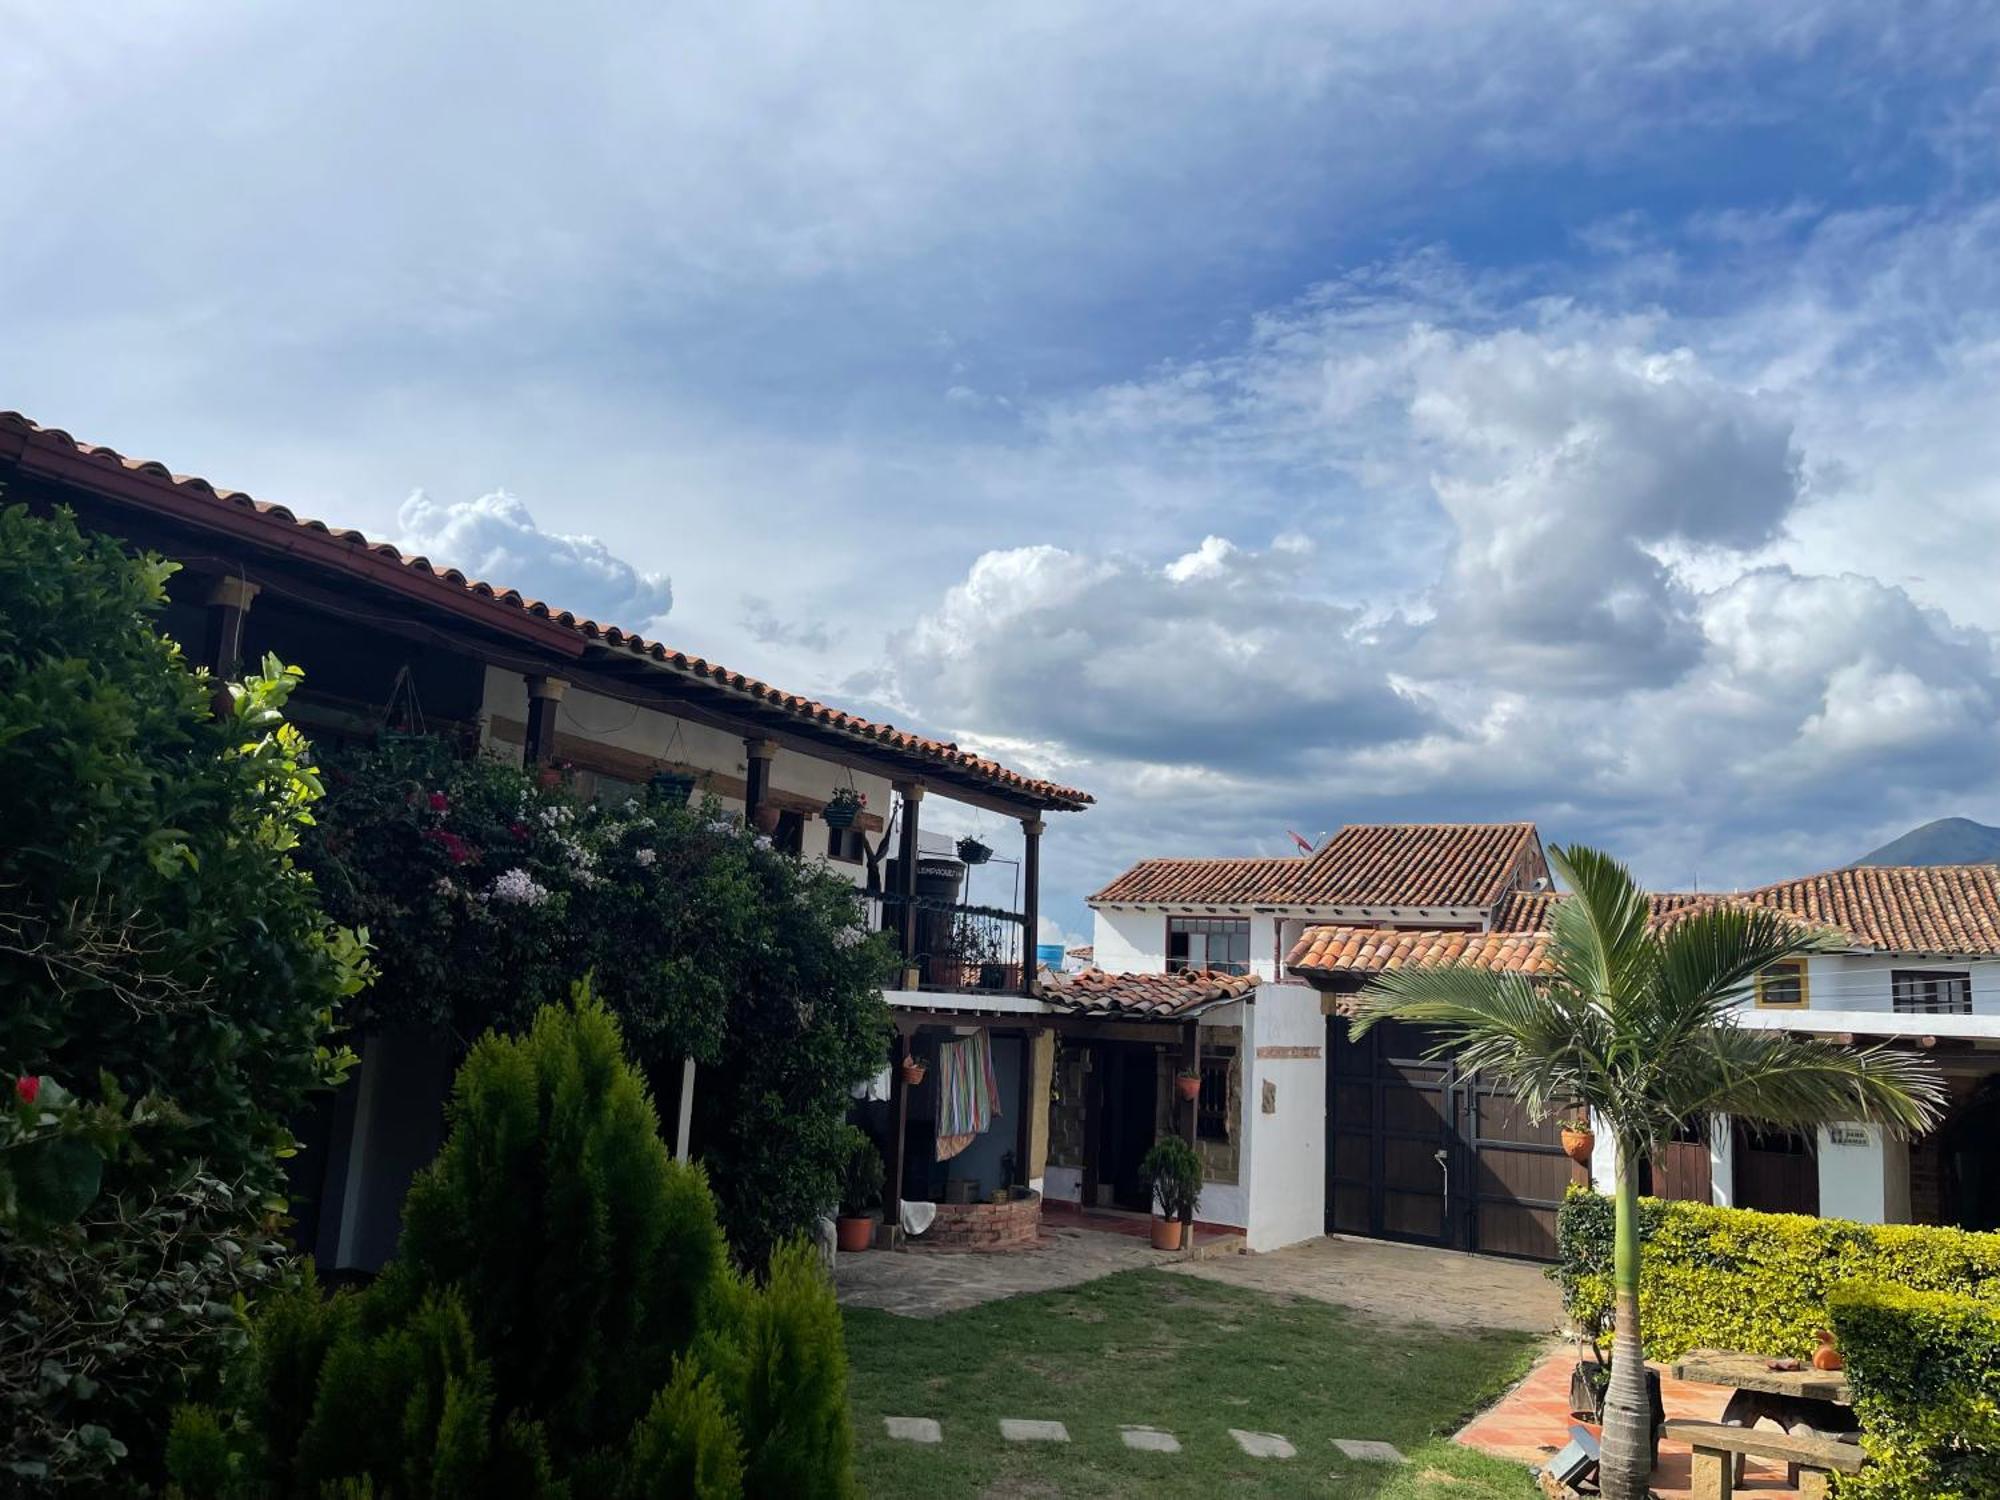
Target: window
1931, 992
1218, 943
848, 845
1211, 1115
1783, 985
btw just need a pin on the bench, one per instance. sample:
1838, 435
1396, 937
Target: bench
1809, 1458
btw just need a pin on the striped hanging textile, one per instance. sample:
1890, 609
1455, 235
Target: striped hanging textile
968, 1093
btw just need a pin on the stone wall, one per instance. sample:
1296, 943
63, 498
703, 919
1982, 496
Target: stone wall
1072, 1076
1221, 1161
1013, 1225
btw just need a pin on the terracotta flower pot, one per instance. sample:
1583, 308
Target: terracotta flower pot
1578, 1144
1189, 1088
852, 1235
1166, 1233
912, 1070
1826, 1357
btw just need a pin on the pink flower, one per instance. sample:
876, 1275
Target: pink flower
439, 802
27, 1088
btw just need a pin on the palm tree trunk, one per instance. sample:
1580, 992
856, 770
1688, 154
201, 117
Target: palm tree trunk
1628, 1413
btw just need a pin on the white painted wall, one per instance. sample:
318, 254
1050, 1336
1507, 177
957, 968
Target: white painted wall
1863, 1175
1229, 1202
1286, 1155
1129, 942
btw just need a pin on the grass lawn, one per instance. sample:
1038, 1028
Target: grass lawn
1190, 1356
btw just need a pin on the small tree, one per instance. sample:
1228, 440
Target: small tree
1636, 1022
1174, 1170
170, 983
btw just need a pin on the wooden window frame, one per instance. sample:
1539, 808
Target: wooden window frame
1935, 977
1795, 967
1211, 1110
1207, 925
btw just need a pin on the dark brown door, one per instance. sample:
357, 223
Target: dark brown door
1519, 1176
1389, 1124
1682, 1171
1776, 1171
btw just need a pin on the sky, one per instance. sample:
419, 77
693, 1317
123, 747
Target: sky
1265, 416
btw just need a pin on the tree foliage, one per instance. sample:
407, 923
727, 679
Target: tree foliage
561, 1319
489, 888
170, 983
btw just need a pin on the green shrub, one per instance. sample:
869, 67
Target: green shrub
686, 1447
549, 1323
1924, 1368
198, 1459
165, 964
861, 1182
780, 1359
1737, 1279
1173, 1167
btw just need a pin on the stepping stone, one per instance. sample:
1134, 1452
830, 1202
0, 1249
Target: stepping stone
1370, 1452
1015, 1430
1263, 1444
914, 1429
1150, 1440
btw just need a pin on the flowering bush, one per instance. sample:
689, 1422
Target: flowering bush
169, 983
489, 888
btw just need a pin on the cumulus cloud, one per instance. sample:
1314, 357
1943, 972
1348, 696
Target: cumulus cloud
496, 539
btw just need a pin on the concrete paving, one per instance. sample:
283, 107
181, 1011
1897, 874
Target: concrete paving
1370, 1452
914, 1429
1263, 1444
917, 1283
1150, 1440
1398, 1283
1018, 1430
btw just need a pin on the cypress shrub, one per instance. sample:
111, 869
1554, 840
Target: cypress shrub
1924, 1368
686, 1447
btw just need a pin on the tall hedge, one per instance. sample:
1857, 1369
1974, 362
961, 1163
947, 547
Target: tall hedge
169, 983
1738, 1279
561, 1320
1924, 1369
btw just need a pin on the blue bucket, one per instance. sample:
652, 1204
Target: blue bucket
1049, 955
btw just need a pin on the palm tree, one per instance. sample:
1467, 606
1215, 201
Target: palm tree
1635, 1020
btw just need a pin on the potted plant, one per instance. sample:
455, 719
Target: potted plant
671, 788
860, 1196
1174, 1170
972, 851
843, 808
1578, 1139
1187, 1082
912, 1068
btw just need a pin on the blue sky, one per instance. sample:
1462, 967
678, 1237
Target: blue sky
1267, 416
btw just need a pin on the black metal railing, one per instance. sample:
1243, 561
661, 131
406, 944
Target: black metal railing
960, 948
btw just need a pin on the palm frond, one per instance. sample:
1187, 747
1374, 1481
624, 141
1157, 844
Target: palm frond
1708, 959
1598, 938
1793, 1081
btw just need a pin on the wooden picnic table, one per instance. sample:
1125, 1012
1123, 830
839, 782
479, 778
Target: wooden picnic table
1816, 1400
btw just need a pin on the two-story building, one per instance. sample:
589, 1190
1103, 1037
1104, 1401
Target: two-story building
393, 641
1919, 968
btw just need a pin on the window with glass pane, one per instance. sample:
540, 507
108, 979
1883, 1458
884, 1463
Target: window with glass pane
1783, 985
1212, 1110
1931, 992
1218, 943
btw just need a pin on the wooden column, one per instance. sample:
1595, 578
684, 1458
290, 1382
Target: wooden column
757, 757
1031, 903
1023, 1129
1191, 1108
228, 604
899, 1114
912, 793
544, 694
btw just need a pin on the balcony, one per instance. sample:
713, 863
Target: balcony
958, 948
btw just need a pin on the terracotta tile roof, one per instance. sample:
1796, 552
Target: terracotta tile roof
1322, 952
1464, 865
1931, 909
51, 451
1528, 911
1145, 996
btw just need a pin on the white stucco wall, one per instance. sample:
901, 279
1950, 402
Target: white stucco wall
1863, 1175
1286, 1151
1229, 1202
1129, 942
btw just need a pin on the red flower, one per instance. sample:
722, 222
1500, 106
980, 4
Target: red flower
439, 802
520, 832
460, 851
27, 1088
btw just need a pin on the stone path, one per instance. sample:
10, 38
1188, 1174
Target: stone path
917, 1283
1405, 1283
1266, 1445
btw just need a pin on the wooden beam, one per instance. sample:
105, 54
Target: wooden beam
899, 1112
1031, 908
228, 606
912, 794
544, 693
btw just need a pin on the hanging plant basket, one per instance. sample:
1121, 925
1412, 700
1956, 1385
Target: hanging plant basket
1189, 1085
843, 808
972, 851
913, 1070
671, 788
1578, 1142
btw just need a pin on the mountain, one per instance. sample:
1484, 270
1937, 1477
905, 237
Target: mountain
1948, 841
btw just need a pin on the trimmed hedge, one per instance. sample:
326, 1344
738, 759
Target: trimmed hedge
1924, 1368
1733, 1278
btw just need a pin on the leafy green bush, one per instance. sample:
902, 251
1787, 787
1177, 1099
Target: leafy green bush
489, 890
861, 1182
168, 972
561, 1317
1737, 1279
1173, 1167
1924, 1368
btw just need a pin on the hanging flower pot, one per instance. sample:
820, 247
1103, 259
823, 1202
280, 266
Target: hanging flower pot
1188, 1084
766, 819
843, 808
1578, 1141
972, 851
912, 1070
670, 788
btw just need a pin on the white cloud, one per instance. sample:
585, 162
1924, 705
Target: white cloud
494, 538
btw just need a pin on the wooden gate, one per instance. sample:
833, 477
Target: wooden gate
1416, 1152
